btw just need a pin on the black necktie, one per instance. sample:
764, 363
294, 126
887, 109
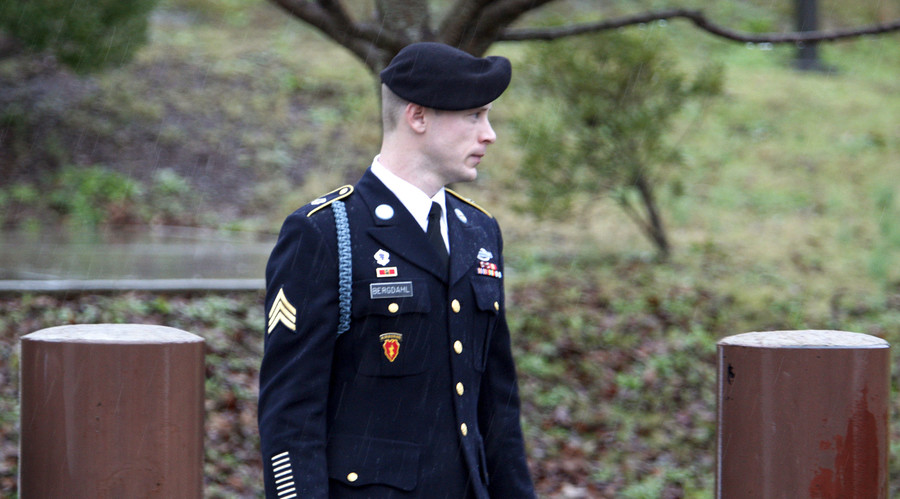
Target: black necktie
433, 233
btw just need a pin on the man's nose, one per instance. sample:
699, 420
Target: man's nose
487, 134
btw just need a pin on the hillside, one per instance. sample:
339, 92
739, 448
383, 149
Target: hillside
783, 215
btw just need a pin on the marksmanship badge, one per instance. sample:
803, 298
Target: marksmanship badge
382, 257
390, 343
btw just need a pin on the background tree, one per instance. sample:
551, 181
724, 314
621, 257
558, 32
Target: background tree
607, 103
474, 25
84, 35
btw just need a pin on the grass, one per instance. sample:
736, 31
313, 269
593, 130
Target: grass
782, 217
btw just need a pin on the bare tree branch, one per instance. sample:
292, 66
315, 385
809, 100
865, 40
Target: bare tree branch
465, 13
337, 11
493, 21
486, 21
475, 25
368, 42
408, 19
700, 20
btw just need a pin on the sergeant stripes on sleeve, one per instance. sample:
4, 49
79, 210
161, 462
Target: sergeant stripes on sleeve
284, 476
282, 311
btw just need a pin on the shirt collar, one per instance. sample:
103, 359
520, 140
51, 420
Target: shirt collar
413, 199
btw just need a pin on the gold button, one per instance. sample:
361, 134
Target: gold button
455, 306
393, 308
464, 429
341, 193
352, 477
496, 305
459, 388
457, 346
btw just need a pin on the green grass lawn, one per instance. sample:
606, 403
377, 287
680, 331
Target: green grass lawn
783, 215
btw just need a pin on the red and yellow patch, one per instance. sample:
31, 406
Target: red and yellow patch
390, 343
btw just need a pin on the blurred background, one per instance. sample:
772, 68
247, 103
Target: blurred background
659, 187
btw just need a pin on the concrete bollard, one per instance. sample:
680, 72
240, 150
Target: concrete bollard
111, 411
803, 414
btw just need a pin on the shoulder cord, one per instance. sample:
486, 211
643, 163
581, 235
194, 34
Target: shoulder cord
345, 264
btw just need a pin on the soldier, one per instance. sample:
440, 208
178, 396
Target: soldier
387, 370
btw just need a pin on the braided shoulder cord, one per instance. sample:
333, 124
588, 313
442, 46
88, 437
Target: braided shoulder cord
345, 264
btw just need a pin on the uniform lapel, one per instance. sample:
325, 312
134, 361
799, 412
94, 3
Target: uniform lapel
465, 240
400, 233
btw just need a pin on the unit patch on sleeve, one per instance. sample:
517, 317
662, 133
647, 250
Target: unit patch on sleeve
282, 311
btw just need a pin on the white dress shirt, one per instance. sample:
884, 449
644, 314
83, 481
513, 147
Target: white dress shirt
413, 199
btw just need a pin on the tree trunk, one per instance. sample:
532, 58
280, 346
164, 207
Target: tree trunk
654, 225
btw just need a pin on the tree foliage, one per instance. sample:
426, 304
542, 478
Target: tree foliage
84, 35
606, 105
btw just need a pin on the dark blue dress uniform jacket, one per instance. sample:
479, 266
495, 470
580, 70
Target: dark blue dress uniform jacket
340, 418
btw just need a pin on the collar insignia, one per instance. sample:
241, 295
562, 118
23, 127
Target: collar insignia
384, 212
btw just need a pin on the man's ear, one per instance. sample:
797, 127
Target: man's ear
415, 117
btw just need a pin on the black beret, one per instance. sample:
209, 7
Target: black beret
439, 76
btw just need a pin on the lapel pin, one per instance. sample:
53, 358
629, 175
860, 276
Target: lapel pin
384, 212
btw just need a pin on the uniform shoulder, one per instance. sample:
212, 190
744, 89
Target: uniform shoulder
326, 200
468, 202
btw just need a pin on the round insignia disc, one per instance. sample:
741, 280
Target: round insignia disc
460, 215
384, 212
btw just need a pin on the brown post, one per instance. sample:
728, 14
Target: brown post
803, 414
111, 411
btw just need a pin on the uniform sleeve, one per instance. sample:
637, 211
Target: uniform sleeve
300, 332
499, 415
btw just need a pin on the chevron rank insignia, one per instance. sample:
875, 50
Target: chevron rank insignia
282, 311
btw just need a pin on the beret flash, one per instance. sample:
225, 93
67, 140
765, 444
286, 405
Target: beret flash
439, 76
